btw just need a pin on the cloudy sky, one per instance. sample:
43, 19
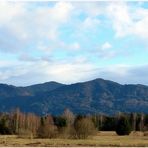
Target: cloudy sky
71, 42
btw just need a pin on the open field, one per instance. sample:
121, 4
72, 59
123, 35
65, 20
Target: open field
102, 139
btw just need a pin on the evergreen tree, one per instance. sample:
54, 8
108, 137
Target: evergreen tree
123, 126
60, 122
109, 124
4, 129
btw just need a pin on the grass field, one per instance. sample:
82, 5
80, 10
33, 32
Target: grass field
102, 139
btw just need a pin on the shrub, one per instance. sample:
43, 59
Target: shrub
4, 128
84, 127
47, 131
67, 132
123, 126
60, 122
25, 133
109, 124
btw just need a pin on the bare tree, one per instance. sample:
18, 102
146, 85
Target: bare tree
141, 122
69, 116
134, 121
46, 129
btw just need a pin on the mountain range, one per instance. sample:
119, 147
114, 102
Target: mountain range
91, 97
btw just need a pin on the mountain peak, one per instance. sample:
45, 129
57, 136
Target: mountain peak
95, 96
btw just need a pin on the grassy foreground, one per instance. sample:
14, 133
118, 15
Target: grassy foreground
102, 139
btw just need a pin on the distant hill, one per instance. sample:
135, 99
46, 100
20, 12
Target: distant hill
96, 96
48, 86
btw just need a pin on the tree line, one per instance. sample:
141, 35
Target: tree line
69, 125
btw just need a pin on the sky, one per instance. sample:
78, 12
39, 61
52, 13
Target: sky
70, 42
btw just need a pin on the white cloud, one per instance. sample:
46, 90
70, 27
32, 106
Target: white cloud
29, 24
90, 23
9, 69
69, 46
107, 54
61, 11
140, 26
105, 51
106, 45
40, 71
5, 63
71, 72
119, 15
128, 20
75, 46
26, 24
9, 11
125, 74
68, 73
28, 58
23, 27
48, 20
92, 9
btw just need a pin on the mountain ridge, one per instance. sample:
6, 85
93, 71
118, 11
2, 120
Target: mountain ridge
88, 97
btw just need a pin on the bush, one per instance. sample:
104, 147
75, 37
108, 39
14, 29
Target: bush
123, 126
25, 133
60, 122
67, 132
47, 131
109, 124
4, 128
84, 127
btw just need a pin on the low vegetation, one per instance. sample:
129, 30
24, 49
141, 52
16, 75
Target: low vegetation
73, 130
101, 139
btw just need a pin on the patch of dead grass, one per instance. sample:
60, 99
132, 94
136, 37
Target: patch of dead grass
102, 139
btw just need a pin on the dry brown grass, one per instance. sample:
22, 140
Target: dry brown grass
101, 139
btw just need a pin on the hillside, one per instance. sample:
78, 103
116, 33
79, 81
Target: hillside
88, 97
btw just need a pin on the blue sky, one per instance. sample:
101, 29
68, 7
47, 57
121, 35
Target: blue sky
71, 41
